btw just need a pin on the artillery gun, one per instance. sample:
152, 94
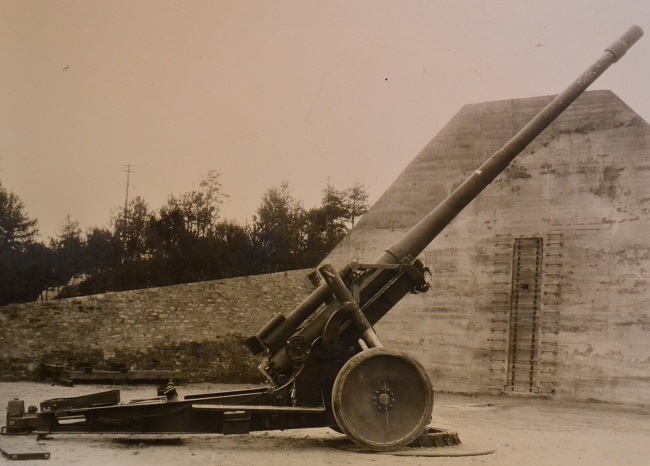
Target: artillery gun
324, 363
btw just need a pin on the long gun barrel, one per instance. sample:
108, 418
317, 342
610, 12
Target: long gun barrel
306, 323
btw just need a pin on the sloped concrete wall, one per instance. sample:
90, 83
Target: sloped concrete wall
583, 188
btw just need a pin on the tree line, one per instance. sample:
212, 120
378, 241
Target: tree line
184, 241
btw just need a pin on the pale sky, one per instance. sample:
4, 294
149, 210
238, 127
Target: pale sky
265, 91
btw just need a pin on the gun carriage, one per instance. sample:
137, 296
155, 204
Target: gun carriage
324, 363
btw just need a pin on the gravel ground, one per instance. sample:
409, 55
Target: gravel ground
528, 431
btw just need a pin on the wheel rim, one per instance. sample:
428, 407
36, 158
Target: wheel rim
382, 399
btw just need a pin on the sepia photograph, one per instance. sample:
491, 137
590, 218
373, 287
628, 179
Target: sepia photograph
246, 232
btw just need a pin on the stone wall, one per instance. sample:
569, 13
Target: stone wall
198, 329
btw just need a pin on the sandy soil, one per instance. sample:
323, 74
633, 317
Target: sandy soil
522, 431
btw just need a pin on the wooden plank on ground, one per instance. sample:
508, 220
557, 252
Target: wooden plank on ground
22, 448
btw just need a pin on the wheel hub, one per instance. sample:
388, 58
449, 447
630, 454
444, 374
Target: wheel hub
384, 397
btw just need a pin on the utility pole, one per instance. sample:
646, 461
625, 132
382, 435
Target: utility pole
128, 172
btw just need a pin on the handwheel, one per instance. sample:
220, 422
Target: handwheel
382, 399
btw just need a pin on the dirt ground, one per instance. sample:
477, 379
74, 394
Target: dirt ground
522, 431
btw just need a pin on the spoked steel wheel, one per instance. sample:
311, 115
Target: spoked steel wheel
382, 399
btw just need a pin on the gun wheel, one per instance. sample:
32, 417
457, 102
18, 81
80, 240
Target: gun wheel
382, 399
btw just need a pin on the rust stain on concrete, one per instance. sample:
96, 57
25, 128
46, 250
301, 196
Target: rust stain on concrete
516, 171
608, 185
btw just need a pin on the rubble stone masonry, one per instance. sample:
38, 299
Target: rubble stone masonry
198, 329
